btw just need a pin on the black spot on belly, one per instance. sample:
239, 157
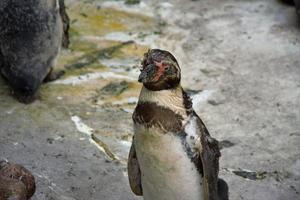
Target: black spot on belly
191, 153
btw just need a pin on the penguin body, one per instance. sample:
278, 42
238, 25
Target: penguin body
163, 164
30, 40
172, 155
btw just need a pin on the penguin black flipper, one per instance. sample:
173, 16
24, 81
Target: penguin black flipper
134, 173
209, 154
222, 190
214, 188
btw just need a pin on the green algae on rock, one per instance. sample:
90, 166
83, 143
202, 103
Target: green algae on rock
114, 88
89, 19
132, 2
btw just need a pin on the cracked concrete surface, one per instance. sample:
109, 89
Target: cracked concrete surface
240, 61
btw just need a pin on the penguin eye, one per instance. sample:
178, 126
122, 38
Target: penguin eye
167, 68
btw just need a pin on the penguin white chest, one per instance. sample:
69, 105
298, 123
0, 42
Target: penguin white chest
167, 172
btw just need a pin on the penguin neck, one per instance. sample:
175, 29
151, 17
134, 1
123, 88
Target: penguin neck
172, 99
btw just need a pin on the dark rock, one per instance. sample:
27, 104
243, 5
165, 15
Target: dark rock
251, 175
225, 144
114, 88
191, 92
214, 102
12, 176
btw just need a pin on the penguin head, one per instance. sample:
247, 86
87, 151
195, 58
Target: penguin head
160, 70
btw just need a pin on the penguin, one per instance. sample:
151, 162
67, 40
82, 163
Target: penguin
30, 40
16, 182
173, 156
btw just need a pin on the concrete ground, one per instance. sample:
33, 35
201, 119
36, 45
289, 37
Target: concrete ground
240, 61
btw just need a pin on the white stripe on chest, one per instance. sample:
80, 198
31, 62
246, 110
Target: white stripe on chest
171, 99
167, 171
192, 133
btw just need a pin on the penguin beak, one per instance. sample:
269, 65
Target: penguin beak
147, 74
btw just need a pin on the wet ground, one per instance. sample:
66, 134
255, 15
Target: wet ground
240, 61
